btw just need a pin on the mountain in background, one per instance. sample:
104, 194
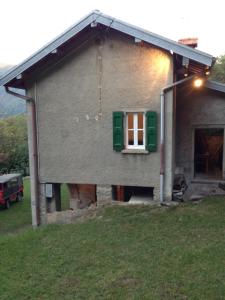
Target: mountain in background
10, 105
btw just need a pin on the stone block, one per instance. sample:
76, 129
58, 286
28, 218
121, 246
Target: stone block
104, 194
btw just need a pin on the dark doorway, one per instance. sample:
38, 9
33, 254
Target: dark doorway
208, 155
126, 193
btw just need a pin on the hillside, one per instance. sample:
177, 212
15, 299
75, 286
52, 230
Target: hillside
135, 252
9, 105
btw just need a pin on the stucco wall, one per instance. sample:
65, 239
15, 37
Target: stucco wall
75, 101
196, 109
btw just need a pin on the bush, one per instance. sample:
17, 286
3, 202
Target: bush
13, 146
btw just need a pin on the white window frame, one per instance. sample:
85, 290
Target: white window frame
135, 130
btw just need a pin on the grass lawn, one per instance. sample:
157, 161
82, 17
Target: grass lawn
18, 216
124, 253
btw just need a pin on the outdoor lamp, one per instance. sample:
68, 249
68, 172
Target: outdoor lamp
198, 82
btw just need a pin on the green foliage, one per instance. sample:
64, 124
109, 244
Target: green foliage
218, 71
13, 144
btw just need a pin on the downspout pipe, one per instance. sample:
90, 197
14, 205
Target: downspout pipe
34, 154
162, 130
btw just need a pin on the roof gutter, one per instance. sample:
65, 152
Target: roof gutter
33, 157
162, 130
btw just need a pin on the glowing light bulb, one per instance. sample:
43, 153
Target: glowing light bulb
198, 82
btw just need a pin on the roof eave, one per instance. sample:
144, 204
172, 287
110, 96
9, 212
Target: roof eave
216, 86
47, 49
157, 40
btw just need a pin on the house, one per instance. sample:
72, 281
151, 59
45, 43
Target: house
113, 111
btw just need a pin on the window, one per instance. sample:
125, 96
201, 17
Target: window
135, 131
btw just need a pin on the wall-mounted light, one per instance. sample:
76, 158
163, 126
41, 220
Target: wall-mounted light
198, 82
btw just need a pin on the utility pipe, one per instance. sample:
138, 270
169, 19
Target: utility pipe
162, 130
34, 155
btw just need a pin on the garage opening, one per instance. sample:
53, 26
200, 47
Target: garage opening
132, 194
208, 153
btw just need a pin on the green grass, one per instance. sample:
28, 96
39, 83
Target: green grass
18, 216
124, 253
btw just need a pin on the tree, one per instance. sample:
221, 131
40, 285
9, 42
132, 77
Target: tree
218, 70
13, 144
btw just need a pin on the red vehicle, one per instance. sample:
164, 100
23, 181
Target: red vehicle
11, 189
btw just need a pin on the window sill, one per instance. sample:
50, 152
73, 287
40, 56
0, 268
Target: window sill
134, 151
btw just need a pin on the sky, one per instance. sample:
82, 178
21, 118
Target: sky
27, 25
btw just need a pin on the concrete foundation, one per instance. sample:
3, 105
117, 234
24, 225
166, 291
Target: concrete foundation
156, 194
104, 194
70, 216
42, 204
197, 190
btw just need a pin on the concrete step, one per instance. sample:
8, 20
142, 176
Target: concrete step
140, 200
201, 190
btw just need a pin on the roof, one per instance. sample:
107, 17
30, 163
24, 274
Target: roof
6, 177
216, 86
97, 17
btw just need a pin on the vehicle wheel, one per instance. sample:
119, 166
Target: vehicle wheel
7, 204
19, 197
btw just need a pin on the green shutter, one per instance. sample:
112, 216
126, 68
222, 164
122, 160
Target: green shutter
151, 131
118, 133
